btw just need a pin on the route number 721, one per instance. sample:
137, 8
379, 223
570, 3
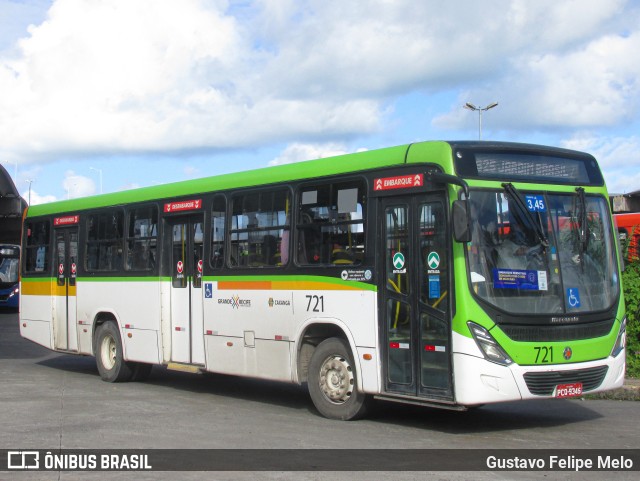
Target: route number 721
315, 303
544, 354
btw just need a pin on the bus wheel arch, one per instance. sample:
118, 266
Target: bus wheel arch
312, 335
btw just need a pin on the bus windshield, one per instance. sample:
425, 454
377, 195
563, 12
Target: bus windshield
9, 261
542, 253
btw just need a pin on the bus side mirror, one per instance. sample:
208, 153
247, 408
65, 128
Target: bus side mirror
461, 221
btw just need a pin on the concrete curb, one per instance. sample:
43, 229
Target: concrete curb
629, 392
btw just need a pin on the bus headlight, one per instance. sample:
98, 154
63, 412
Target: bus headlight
13, 293
621, 341
488, 345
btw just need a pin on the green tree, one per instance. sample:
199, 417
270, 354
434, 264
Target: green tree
631, 286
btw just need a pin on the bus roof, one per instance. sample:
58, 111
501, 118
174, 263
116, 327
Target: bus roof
372, 159
437, 152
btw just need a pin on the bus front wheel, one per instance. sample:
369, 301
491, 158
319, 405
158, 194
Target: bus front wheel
109, 355
332, 381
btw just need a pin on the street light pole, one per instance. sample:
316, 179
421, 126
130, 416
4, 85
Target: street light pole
470, 106
99, 171
29, 181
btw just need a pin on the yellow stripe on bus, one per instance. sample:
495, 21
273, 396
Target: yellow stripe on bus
45, 288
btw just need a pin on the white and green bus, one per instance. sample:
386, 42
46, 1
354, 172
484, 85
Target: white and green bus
449, 274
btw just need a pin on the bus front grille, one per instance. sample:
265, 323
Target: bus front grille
557, 333
543, 383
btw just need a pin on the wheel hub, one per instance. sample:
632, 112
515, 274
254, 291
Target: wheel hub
108, 352
336, 379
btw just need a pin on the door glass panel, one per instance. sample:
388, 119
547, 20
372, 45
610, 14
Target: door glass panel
73, 257
399, 335
198, 251
433, 254
179, 264
434, 351
60, 252
396, 249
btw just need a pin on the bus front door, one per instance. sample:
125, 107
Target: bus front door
64, 312
187, 319
415, 302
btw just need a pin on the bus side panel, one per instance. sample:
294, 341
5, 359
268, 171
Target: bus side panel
37, 331
141, 345
247, 330
36, 307
247, 356
355, 308
138, 315
237, 312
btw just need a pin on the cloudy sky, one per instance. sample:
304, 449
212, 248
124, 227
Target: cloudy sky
143, 92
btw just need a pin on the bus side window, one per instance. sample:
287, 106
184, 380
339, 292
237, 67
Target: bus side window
330, 224
104, 247
37, 247
142, 239
259, 221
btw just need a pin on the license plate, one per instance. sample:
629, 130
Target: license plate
569, 390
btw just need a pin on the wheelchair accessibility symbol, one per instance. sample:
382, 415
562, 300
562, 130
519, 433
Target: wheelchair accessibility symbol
573, 297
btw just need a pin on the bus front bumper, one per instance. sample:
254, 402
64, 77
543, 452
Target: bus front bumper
479, 381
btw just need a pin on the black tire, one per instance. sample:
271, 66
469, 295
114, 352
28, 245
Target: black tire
333, 384
109, 354
141, 371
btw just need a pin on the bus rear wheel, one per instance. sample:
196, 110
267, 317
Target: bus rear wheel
332, 382
109, 354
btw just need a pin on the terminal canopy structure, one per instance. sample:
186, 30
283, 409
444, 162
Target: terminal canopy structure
11, 208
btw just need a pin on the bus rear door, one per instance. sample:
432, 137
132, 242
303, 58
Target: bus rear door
64, 312
187, 321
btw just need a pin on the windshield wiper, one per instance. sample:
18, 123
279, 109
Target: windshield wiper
515, 195
583, 223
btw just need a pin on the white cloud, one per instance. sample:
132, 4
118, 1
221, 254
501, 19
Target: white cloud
119, 76
595, 85
618, 157
36, 198
301, 152
78, 185
109, 77
191, 172
378, 47
130, 186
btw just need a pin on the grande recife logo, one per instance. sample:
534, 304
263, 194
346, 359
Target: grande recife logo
235, 302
